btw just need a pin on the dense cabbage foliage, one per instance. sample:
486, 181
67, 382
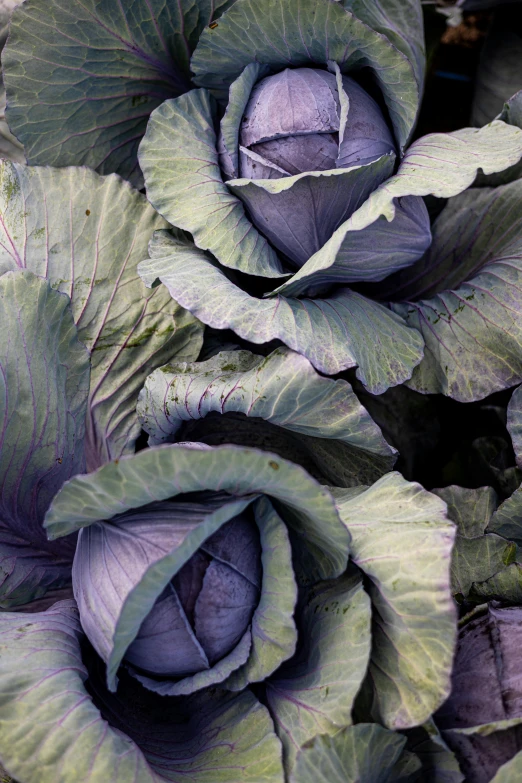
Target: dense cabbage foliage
320, 229
216, 561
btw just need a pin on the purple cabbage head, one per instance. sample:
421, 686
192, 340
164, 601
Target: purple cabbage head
207, 606
177, 590
302, 121
482, 719
292, 124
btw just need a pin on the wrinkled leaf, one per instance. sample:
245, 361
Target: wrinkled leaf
505, 586
314, 692
478, 559
476, 556
86, 234
179, 160
366, 753
282, 389
54, 729
401, 22
46, 715
470, 509
163, 472
212, 737
414, 628
83, 76
333, 333
44, 385
464, 297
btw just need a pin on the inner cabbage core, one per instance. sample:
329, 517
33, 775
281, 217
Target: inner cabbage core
206, 608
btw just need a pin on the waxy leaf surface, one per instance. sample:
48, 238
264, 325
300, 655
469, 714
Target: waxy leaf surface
86, 234
44, 384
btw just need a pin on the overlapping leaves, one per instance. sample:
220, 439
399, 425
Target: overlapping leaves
86, 235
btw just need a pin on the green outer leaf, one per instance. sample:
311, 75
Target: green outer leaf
507, 520
478, 559
476, 556
282, 388
274, 635
210, 737
10, 147
469, 313
334, 333
83, 75
401, 21
414, 628
310, 196
238, 98
366, 753
505, 586
512, 115
166, 471
50, 730
470, 509
45, 381
44, 384
313, 693
284, 35
230, 738
336, 440
86, 234
119, 618
514, 423
440, 164
179, 160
